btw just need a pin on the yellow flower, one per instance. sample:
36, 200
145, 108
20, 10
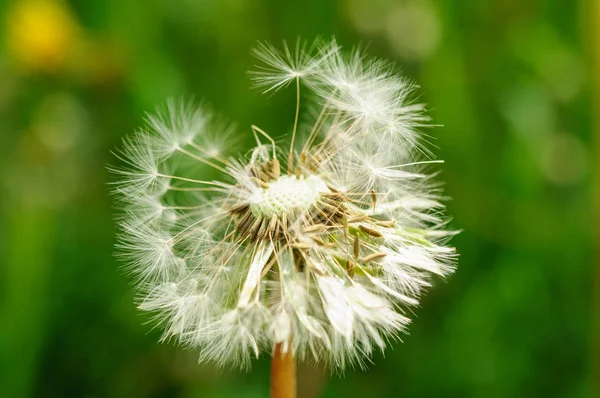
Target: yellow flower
40, 35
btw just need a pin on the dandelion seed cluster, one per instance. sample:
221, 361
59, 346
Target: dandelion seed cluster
320, 246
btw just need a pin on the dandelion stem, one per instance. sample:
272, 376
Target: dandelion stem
283, 374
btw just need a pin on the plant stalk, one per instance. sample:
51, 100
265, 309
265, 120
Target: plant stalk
283, 374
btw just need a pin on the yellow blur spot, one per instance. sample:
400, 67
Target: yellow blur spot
40, 34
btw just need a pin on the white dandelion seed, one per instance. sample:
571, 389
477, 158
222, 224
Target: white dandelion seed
321, 248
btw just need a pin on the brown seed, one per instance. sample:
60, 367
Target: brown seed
275, 168
374, 198
370, 231
356, 246
350, 265
284, 223
239, 208
315, 228
345, 227
245, 221
335, 196
260, 182
262, 231
328, 206
272, 226
372, 257
302, 246
277, 229
256, 224
387, 224
318, 240
357, 219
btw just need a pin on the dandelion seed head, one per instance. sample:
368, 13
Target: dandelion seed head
321, 247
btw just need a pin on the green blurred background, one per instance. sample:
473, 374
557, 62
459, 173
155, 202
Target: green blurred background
510, 82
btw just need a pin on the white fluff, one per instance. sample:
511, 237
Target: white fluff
319, 247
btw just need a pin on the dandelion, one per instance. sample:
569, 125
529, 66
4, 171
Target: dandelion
317, 250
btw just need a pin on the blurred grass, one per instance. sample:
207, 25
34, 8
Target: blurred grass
508, 79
